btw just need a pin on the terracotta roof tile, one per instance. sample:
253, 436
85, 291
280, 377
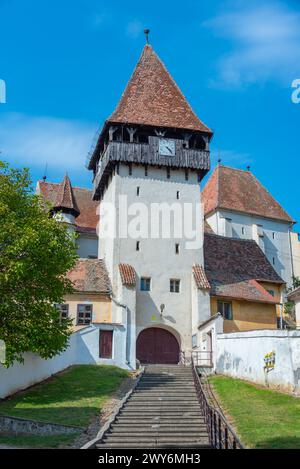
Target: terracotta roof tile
235, 189
153, 98
90, 275
200, 277
294, 295
127, 273
65, 197
235, 266
88, 219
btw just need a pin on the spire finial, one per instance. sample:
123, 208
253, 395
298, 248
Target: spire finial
45, 172
147, 31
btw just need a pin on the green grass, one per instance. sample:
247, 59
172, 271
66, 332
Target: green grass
37, 441
73, 397
262, 418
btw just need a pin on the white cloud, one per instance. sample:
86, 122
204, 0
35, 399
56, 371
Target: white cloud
134, 29
33, 141
265, 43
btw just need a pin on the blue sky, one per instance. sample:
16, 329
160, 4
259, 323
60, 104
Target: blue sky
66, 63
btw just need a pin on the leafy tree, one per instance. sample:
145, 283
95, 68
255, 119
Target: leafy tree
36, 251
289, 306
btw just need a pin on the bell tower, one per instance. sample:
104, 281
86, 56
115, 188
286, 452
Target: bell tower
150, 158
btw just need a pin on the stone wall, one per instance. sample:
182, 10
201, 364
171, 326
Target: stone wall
242, 355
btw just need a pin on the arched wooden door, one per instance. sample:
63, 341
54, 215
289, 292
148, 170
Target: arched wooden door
155, 345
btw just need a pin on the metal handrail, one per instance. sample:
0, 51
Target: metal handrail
221, 435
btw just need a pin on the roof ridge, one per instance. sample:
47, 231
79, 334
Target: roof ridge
268, 192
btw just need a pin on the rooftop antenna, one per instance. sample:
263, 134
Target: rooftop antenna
147, 31
45, 172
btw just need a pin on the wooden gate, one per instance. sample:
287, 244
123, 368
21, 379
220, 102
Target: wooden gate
155, 345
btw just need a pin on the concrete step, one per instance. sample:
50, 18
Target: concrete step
163, 404
136, 445
164, 429
177, 439
161, 421
138, 435
173, 414
164, 397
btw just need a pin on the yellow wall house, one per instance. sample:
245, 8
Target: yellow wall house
245, 288
90, 302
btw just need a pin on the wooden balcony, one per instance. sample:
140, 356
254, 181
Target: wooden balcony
147, 153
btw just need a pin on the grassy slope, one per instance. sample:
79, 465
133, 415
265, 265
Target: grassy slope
263, 418
73, 397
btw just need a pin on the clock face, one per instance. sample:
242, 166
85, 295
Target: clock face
166, 147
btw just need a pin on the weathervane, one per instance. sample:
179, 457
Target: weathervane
147, 31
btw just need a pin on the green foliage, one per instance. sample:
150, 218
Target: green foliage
263, 418
36, 252
72, 397
289, 306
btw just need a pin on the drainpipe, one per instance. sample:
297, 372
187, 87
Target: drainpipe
291, 254
124, 306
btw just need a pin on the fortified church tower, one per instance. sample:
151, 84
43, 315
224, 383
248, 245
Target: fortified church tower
152, 150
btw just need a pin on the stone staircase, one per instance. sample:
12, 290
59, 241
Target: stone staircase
162, 412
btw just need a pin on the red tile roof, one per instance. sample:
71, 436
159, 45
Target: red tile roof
127, 273
200, 277
153, 98
88, 219
294, 295
65, 197
237, 190
234, 268
90, 275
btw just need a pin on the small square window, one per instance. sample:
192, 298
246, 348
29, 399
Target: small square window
84, 314
272, 293
174, 286
145, 284
63, 310
225, 308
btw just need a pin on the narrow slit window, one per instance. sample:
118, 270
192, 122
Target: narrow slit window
138, 191
186, 175
137, 246
146, 170
130, 169
177, 248
168, 173
177, 195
